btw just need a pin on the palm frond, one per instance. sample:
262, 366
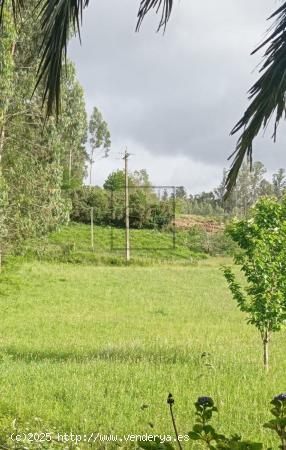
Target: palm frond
267, 95
56, 17
147, 5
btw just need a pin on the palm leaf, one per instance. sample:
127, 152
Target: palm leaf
147, 5
57, 17
267, 95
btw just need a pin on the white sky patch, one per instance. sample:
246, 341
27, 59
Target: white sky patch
167, 170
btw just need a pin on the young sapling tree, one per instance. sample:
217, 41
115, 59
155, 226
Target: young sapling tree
262, 240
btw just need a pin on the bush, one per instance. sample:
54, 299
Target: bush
205, 434
83, 199
145, 209
214, 244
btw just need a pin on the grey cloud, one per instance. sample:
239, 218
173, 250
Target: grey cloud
181, 93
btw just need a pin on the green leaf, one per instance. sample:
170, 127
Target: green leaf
194, 436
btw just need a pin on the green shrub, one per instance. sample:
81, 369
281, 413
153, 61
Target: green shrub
207, 436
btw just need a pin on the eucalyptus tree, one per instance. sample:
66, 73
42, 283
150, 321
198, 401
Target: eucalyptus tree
279, 183
7, 46
99, 137
72, 125
35, 151
61, 18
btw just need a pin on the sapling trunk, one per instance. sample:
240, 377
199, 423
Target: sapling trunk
266, 340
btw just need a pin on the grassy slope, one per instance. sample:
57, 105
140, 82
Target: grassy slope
73, 243
84, 347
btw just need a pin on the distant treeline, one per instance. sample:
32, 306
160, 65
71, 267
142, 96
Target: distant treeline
250, 186
151, 208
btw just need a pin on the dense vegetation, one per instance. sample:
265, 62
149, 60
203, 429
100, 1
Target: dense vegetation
146, 209
151, 209
39, 157
250, 186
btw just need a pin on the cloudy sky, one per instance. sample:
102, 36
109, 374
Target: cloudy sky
172, 99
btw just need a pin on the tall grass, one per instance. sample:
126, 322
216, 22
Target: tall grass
83, 348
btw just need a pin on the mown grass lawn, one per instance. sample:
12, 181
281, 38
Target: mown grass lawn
84, 347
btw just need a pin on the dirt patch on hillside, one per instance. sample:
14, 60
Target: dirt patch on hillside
211, 226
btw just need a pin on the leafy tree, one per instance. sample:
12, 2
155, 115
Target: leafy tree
146, 208
262, 239
248, 186
141, 178
99, 136
165, 195
116, 181
265, 188
72, 126
35, 150
279, 183
181, 192
86, 197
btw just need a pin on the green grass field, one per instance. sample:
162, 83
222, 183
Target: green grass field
84, 347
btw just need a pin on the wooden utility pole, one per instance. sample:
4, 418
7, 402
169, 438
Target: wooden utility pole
127, 237
91, 229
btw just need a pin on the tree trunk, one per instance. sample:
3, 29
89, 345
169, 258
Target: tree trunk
90, 168
2, 139
266, 339
70, 167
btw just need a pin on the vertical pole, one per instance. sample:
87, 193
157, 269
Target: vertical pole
90, 167
91, 229
174, 217
127, 237
112, 217
70, 166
